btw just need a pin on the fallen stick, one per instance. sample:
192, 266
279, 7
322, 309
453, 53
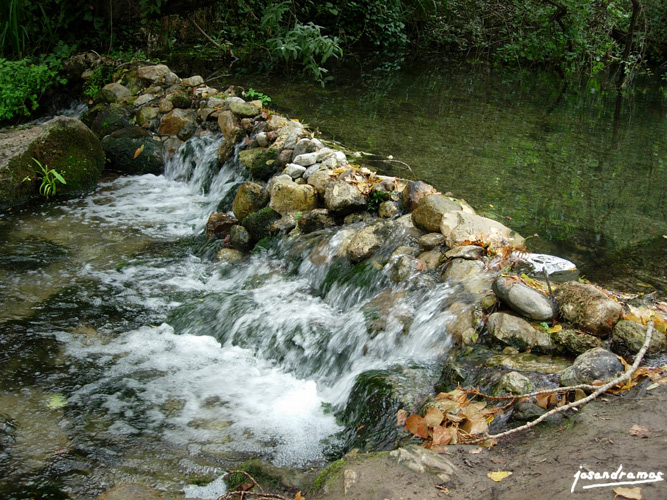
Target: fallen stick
598, 390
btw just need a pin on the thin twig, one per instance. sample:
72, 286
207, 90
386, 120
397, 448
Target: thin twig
205, 35
618, 380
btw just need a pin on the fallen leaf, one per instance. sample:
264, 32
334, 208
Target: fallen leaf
498, 476
416, 425
498, 461
640, 431
579, 394
441, 435
139, 150
475, 451
433, 417
631, 493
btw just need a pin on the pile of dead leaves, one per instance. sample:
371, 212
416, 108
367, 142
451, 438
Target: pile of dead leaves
453, 418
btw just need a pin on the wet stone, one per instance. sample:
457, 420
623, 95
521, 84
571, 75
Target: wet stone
596, 364
523, 299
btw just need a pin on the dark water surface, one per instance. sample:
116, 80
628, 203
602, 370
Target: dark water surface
584, 171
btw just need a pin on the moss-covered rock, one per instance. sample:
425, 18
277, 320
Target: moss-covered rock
258, 224
261, 163
121, 148
370, 413
63, 144
103, 119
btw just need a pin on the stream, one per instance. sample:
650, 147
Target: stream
128, 354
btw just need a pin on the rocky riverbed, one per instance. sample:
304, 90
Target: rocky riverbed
515, 321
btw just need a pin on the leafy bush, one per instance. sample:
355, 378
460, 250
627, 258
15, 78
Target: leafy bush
22, 84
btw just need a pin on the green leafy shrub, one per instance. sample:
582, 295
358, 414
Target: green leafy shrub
252, 94
22, 84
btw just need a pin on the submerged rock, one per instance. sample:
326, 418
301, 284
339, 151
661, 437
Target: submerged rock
596, 364
587, 308
229, 255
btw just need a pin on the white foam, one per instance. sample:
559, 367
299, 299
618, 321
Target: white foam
192, 390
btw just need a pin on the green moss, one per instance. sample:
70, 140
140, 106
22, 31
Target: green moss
327, 474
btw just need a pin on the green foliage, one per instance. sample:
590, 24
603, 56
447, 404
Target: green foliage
252, 94
306, 45
22, 84
50, 179
100, 77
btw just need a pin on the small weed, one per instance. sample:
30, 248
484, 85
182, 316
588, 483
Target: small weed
50, 179
252, 94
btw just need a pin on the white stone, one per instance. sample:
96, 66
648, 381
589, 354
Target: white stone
306, 160
294, 171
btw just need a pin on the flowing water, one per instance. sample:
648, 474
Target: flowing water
127, 354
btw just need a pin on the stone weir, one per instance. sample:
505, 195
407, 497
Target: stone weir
517, 314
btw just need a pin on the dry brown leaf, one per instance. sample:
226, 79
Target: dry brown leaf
441, 435
631, 493
416, 425
498, 461
298, 496
640, 431
498, 476
433, 417
139, 150
476, 425
543, 400
579, 394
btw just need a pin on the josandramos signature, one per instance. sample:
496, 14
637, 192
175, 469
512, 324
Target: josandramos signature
617, 478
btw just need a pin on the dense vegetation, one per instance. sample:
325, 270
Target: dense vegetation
582, 39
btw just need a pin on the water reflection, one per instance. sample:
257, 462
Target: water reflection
586, 172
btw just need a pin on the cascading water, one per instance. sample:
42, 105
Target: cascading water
153, 363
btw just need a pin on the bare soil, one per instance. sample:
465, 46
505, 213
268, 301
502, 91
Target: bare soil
543, 460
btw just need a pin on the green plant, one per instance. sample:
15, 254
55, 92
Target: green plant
22, 84
100, 77
50, 179
254, 95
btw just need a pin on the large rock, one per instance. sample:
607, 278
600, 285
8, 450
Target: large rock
342, 198
103, 119
250, 198
523, 299
315, 220
517, 332
245, 109
63, 144
258, 224
587, 308
430, 209
463, 269
132, 150
320, 180
414, 192
512, 383
120, 92
628, 337
179, 122
365, 242
574, 341
596, 364
229, 124
288, 197
463, 228
260, 162
158, 73
370, 413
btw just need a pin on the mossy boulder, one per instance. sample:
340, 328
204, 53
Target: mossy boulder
260, 162
250, 198
103, 119
258, 224
370, 413
63, 144
132, 150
